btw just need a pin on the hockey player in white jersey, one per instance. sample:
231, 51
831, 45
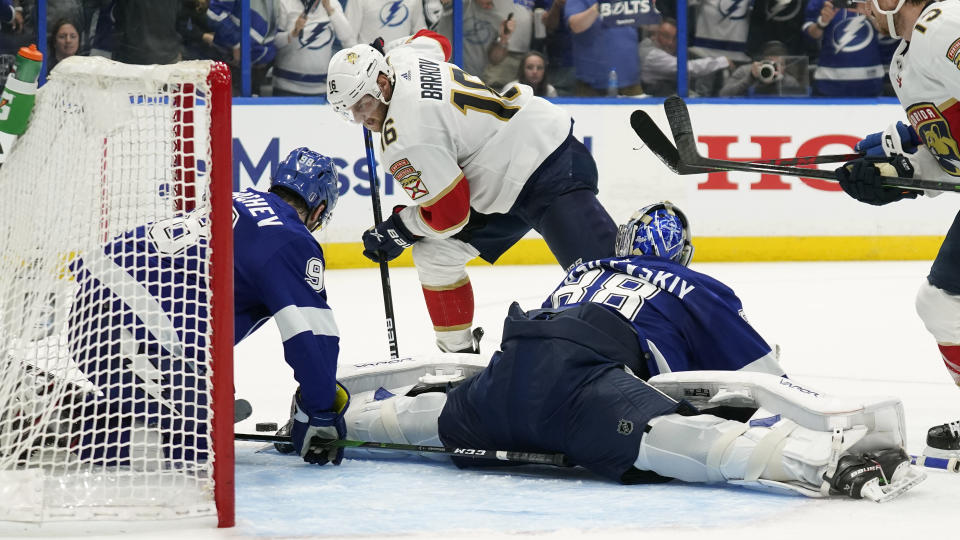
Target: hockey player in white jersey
481, 169
925, 73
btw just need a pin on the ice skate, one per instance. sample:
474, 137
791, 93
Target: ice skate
943, 441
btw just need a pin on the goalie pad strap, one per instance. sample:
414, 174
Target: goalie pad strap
388, 416
766, 455
718, 449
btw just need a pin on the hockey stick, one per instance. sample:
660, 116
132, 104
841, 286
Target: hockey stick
651, 134
502, 455
679, 119
384, 269
944, 464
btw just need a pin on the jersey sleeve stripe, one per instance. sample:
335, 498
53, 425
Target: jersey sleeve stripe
293, 320
450, 209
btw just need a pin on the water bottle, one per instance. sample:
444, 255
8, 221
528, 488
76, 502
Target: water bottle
18, 96
16, 101
613, 86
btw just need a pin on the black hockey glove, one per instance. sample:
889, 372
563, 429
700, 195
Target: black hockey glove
386, 241
309, 429
862, 179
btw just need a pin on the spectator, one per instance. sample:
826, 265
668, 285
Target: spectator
849, 63
766, 76
102, 38
721, 29
533, 73
513, 41
779, 20
12, 35
387, 19
599, 50
224, 16
481, 27
147, 31
658, 61
559, 46
193, 25
305, 37
64, 42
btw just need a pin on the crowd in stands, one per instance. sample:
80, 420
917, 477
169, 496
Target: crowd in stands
558, 47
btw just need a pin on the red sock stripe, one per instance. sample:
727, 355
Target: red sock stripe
450, 307
951, 359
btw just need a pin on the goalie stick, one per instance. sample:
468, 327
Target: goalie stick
691, 161
501, 455
652, 136
944, 464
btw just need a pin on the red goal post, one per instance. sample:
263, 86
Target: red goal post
116, 372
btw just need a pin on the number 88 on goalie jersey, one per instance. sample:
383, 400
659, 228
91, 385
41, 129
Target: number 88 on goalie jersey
684, 320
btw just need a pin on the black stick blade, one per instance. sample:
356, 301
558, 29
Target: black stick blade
654, 138
678, 116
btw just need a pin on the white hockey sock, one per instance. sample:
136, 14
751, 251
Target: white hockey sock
455, 340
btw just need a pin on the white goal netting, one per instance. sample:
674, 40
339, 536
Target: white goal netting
105, 329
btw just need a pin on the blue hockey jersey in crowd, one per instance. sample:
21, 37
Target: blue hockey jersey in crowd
685, 320
278, 273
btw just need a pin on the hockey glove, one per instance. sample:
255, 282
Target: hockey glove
309, 429
862, 179
898, 138
386, 241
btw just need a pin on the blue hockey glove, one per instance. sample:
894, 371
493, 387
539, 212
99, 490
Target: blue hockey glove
898, 138
386, 241
323, 425
862, 179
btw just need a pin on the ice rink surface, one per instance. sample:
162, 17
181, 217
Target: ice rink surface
842, 328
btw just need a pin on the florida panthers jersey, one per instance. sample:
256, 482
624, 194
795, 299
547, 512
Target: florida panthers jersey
925, 73
278, 272
685, 320
453, 143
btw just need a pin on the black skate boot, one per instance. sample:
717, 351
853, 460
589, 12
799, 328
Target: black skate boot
943, 441
286, 447
878, 476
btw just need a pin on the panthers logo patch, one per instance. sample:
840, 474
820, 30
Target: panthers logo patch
409, 178
352, 57
933, 127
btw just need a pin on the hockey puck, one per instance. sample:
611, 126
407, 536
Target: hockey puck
266, 426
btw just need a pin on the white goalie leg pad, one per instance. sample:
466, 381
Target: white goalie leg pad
881, 417
396, 373
399, 419
706, 448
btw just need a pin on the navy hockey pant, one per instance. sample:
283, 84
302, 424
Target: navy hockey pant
559, 385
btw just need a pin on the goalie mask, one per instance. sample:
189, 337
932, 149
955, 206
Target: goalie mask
352, 74
659, 229
313, 177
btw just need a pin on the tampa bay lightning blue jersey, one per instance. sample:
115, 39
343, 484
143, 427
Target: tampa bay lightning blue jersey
278, 273
685, 320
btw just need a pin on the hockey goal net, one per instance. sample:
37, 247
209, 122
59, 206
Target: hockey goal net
116, 325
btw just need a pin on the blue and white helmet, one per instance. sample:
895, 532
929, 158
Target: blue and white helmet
314, 177
659, 229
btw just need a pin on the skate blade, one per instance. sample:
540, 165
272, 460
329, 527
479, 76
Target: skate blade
875, 492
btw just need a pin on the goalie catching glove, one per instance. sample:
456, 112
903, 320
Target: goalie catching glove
862, 179
309, 429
